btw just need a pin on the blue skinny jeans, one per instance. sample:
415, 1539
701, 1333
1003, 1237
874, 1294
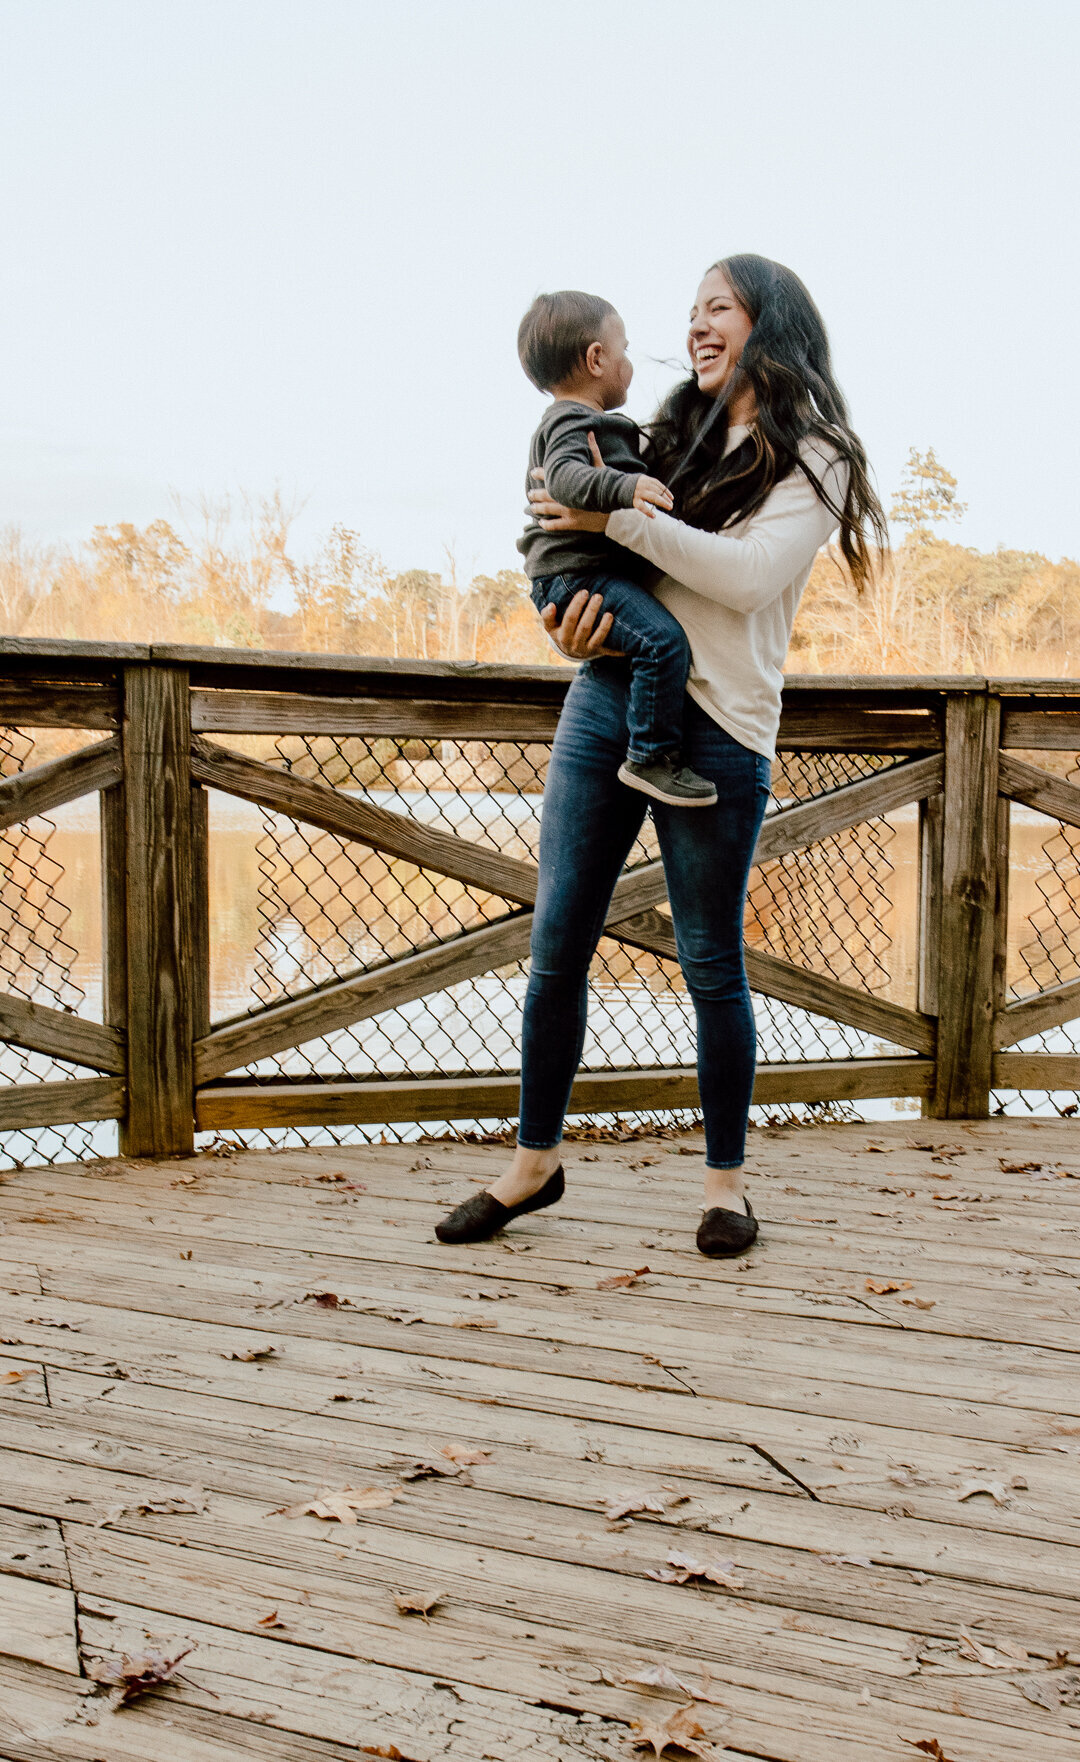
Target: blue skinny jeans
590, 821
657, 656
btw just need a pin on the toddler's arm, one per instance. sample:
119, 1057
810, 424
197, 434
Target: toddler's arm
571, 477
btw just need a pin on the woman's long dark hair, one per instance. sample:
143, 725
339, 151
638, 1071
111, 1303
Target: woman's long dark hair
786, 363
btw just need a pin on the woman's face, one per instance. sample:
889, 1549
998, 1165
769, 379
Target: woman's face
719, 327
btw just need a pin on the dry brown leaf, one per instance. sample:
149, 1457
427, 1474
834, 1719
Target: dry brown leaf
682, 1731
474, 1321
681, 1568
467, 1457
389, 1750
138, 1672
997, 1491
621, 1281
1018, 1168
417, 1602
629, 1504
929, 1746
920, 1302
882, 1287
252, 1354
326, 1300
427, 1468
14, 1376
341, 1503
271, 1620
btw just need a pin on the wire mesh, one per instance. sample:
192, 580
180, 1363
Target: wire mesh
1044, 930
38, 955
330, 908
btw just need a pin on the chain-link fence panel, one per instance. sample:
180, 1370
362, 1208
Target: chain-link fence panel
329, 908
1044, 930
39, 950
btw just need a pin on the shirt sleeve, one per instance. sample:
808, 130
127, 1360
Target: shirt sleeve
748, 572
570, 477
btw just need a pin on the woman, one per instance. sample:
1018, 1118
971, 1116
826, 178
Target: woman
764, 466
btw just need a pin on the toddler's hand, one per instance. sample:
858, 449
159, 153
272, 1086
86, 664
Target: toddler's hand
649, 493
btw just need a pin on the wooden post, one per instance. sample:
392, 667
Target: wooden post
969, 908
161, 989
200, 907
113, 907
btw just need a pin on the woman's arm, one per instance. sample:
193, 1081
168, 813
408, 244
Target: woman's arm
745, 573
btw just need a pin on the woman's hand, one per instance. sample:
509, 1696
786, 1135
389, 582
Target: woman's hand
580, 635
553, 517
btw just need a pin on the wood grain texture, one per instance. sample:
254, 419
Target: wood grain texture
160, 881
931, 830
49, 786
811, 991
275, 712
1053, 730
469, 1098
1039, 789
1032, 1015
113, 829
60, 1104
893, 787
969, 900
43, 703
61, 1034
317, 804
1037, 1070
200, 911
840, 728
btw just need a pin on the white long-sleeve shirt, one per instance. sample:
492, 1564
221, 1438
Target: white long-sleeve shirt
736, 593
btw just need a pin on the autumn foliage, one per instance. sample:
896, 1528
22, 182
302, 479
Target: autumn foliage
231, 576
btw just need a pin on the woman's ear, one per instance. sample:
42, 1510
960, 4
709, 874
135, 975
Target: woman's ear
594, 359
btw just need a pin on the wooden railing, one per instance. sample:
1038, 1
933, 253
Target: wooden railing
161, 726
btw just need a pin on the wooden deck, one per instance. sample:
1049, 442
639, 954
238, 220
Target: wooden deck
891, 1475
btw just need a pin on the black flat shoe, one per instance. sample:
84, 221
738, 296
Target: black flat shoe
727, 1232
483, 1215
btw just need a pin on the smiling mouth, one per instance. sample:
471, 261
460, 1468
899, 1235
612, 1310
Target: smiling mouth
706, 356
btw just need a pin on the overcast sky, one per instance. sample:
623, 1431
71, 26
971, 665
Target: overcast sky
251, 243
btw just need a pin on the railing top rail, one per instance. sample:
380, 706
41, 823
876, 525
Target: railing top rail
379, 676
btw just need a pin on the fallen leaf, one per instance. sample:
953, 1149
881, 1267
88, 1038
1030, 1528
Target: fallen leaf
882, 1287
54, 1321
467, 1457
845, 1560
136, 1673
474, 1321
271, 1620
252, 1354
1018, 1168
341, 1503
186, 1253
681, 1731
389, 1750
995, 1489
14, 1376
621, 1281
629, 1504
920, 1302
427, 1468
418, 1602
681, 1568
929, 1746
326, 1300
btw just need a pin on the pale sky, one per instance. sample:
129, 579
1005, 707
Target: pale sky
259, 243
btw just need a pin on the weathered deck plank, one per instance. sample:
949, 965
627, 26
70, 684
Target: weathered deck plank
820, 1433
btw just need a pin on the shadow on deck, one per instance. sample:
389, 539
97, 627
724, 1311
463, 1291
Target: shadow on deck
872, 1423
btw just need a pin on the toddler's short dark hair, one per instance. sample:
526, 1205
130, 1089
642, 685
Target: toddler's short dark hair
556, 332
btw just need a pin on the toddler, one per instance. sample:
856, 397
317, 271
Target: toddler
573, 346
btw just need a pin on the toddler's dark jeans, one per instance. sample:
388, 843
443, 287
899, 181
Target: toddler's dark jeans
590, 821
655, 647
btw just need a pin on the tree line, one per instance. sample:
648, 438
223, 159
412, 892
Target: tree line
230, 576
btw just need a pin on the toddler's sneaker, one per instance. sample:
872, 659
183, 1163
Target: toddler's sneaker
668, 779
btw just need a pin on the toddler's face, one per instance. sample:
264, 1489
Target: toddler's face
617, 371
